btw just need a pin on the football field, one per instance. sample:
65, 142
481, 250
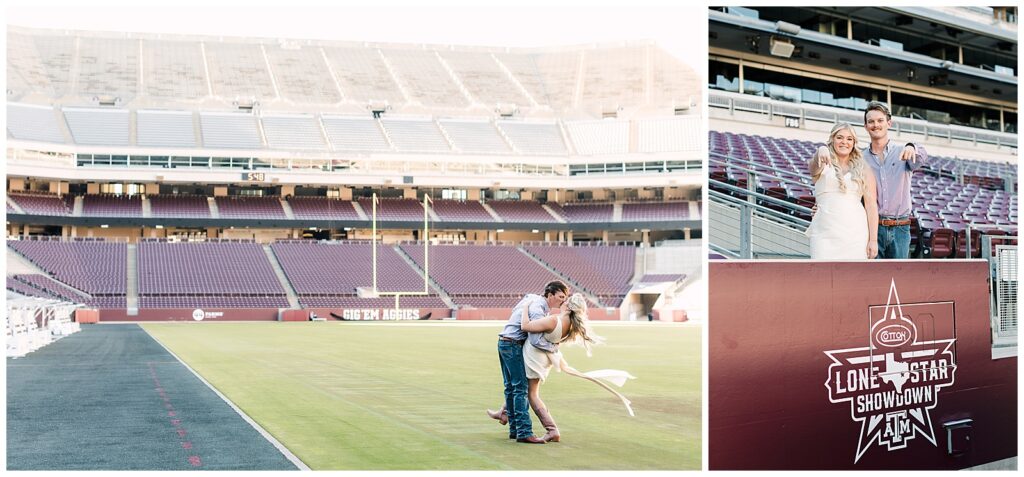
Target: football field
411, 395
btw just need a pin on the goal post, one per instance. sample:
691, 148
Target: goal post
373, 291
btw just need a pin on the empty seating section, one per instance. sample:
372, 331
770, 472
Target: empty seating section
26, 70
108, 67
461, 211
174, 69
23, 288
393, 209
604, 271
213, 301
191, 206
502, 274
104, 205
238, 70
322, 208
655, 211
560, 71
42, 204
475, 136
301, 74
104, 127
412, 135
484, 78
164, 129
599, 137
534, 138
33, 123
185, 271
94, 267
355, 134
520, 211
673, 82
53, 287
363, 75
585, 212
243, 207
940, 202
661, 277
681, 133
230, 130
425, 78
339, 268
610, 75
293, 132
524, 68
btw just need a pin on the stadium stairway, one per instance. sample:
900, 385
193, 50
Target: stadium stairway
293, 298
147, 207
434, 285
554, 214
287, 209
497, 218
617, 212
19, 265
214, 211
17, 208
576, 287
132, 279
360, 211
76, 211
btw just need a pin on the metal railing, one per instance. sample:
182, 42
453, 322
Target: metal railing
771, 108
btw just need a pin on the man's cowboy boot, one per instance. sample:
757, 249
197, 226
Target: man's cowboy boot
531, 440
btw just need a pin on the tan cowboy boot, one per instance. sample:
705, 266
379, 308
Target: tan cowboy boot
501, 415
549, 424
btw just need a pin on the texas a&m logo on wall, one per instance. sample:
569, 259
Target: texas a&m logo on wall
892, 384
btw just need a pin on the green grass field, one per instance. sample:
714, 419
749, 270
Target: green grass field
354, 396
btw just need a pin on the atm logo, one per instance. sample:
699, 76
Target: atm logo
892, 384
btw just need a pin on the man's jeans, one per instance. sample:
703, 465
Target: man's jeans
513, 371
894, 242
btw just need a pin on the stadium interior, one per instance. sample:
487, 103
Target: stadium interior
159, 171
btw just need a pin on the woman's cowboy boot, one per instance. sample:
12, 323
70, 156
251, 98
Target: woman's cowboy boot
549, 424
501, 415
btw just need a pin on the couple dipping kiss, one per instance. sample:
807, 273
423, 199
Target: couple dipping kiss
843, 175
528, 347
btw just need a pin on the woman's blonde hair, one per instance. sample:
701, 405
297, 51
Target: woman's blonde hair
857, 163
579, 325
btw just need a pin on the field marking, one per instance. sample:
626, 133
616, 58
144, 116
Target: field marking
266, 435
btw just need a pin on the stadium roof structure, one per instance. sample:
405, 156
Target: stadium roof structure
747, 34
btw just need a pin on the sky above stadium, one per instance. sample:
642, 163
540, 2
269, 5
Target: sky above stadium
682, 31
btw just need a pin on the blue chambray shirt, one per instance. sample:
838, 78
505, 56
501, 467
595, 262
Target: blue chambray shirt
538, 308
892, 177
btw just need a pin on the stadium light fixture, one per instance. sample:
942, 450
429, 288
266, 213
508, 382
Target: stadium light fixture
786, 27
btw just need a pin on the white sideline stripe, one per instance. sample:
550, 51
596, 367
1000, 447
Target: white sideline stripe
266, 435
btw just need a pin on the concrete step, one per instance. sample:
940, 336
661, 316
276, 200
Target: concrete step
147, 207
132, 282
214, 211
617, 212
554, 214
293, 298
492, 212
76, 211
287, 209
359, 210
14, 205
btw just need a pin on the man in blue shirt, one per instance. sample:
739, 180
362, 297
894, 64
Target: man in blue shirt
510, 353
893, 165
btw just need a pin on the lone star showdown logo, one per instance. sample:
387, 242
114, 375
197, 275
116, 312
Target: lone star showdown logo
892, 384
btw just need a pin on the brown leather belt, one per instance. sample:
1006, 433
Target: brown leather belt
510, 340
893, 223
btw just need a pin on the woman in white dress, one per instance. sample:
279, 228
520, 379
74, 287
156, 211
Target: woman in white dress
571, 325
843, 227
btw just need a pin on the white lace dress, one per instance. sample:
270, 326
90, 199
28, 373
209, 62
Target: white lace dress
539, 363
839, 229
